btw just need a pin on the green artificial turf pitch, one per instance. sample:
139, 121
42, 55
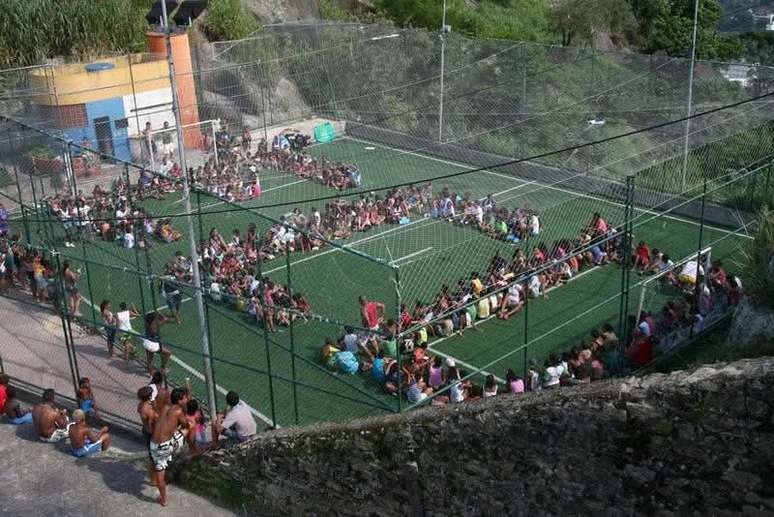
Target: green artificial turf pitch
428, 253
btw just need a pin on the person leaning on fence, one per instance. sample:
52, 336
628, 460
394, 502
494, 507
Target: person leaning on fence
14, 412
83, 441
152, 341
109, 323
51, 423
123, 319
70, 279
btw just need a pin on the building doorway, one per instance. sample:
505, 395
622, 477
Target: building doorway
104, 135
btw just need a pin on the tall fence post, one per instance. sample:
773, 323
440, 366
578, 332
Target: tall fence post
626, 246
697, 286
63, 311
88, 286
149, 273
272, 400
25, 222
136, 235
206, 304
34, 196
292, 341
399, 336
526, 327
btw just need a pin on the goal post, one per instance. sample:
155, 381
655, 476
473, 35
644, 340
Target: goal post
652, 292
199, 138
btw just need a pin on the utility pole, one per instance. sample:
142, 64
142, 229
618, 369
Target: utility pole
689, 109
444, 30
189, 220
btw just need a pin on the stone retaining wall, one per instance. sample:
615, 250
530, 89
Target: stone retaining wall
698, 442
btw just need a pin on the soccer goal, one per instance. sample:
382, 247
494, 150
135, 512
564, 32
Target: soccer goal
200, 140
665, 285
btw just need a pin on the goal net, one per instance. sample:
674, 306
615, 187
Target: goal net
199, 139
672, 282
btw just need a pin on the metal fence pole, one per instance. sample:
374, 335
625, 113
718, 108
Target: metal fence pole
442, 35
63, 310
136, 233
697, 287
626, 246
149, 274
206, 303
88, 284
398, 337
526, 327
196, 279
25, 222
292, 341
272, 400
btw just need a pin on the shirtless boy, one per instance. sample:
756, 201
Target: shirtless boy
50, 422
83, 440
168, 438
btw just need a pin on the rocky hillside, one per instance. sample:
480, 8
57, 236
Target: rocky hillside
273, 11
695, 442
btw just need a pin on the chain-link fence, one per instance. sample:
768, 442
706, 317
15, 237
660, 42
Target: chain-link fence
488, 212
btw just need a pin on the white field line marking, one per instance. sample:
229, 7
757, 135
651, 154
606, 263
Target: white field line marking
467, 365
389, 231
286, 185
479, 322
157, 309
353, 243
535, 182
404, 257
193, 371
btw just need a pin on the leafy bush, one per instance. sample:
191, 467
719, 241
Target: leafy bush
759, 261
329, 10
228, 20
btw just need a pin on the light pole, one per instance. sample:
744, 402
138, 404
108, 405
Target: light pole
689, 109
189, 220
444, 30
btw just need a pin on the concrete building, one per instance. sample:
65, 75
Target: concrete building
106, 104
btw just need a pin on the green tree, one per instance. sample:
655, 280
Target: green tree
228, 20
667, 25
525, 20
577, 21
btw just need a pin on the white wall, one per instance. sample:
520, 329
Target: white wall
154, 106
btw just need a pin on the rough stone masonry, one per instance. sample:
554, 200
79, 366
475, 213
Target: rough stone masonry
697, 442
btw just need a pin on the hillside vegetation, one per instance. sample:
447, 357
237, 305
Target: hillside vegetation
81, 28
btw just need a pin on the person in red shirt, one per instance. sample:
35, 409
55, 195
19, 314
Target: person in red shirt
372, 313
405, 317
642, 256
641, 351
718, 276
4, 380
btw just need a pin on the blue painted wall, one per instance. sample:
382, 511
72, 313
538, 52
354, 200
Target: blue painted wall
113, 108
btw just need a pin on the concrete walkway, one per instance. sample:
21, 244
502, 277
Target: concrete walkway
32, 348
40, 479
43, 479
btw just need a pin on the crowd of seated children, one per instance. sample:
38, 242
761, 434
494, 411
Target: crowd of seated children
513, 225
558, 264
110, 215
